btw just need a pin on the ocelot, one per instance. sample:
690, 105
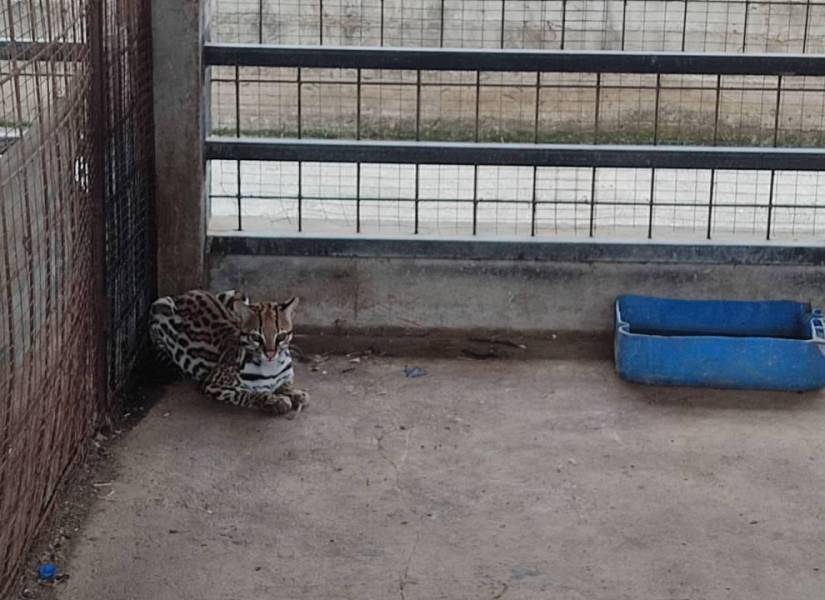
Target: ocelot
237, 350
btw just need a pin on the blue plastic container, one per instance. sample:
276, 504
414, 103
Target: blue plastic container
776, 345
47, 572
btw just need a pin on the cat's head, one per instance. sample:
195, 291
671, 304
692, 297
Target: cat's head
267, 326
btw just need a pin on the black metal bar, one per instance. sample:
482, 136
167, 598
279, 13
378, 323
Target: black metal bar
807, 23
710, 202
381, 37
522, 250
542, 155
477, 104
592, 218
777, 108
597, 108
652, 197
594, 172
516, 86
770, 205
684, 25
299, 83
321, 22
563, 22
461, 59
358, 197
441, 28
418, 105
238, 195
651, 203
656, 109
745, 26
238, 135
300, 197
417, 197
237, 82
624, 23
533, 203
475, 138
379, 199
358, 105
537, 111
534, 195
501, 30
260, 21
716, 109
475, 199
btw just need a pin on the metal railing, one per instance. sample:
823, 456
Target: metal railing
794, 26
717, 158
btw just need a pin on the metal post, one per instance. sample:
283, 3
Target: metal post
179, 30
97, 184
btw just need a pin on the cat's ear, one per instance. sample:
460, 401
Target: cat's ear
289, 306
240, 306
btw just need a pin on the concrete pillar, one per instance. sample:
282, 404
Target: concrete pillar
179, 28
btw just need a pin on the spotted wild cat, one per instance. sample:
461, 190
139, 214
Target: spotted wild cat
237, 350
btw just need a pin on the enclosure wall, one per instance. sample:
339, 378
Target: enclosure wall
538, 298
76, 267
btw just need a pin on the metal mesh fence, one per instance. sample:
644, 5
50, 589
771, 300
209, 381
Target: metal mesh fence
478, 106
543, 202
729, 110
650, 25
48, 332
708, 110
71, 170
128, 183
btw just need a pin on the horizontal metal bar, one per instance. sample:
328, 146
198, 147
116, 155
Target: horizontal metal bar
528, 250
555, 61
41, 50
542, 155
584, 201
766, 87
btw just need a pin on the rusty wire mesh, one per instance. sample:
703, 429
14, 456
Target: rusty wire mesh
128, 183
75, 187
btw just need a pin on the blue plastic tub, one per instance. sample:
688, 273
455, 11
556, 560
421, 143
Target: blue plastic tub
776, 345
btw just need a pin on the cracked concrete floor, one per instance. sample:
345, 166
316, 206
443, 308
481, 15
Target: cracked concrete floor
481, 480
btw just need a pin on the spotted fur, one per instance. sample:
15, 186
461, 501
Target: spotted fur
237, 350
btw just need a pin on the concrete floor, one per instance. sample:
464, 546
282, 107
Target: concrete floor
482, 480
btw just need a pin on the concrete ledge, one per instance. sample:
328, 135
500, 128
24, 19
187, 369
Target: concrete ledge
475, 345
519, 249
413, 296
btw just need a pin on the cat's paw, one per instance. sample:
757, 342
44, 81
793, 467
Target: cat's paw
300, 399
277, 404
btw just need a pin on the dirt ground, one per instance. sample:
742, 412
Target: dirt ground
479, 480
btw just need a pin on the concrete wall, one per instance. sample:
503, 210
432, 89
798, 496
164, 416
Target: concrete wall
178, 30
401, 295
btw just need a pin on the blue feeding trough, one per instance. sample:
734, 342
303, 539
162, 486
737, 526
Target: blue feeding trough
777, 345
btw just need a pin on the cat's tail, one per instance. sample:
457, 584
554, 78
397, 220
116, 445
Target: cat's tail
162, 334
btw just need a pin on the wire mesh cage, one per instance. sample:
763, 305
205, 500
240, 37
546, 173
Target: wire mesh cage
75, 238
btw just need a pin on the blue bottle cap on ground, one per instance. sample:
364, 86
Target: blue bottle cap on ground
47, 571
